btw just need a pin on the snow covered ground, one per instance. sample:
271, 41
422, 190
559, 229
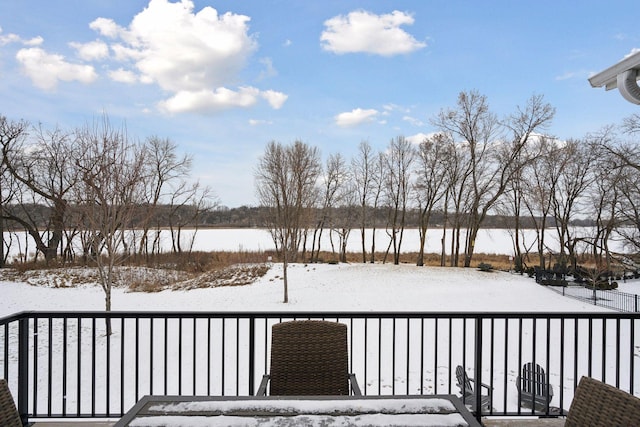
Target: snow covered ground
334, 288
321, 287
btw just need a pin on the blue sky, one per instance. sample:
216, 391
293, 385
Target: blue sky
223, 78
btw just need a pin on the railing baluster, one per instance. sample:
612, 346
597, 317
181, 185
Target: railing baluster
60, 344
151, 358
180, 355
166, 354
64, 367
122, 364
35, 367
222, 368
23, 369
79, 368
193, 363
93, 366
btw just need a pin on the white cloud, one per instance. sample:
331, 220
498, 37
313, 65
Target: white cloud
196, 56
413, 121
355, 117
220, 99
14, 38
362, 31
185, 51
566, 76
210, 100
269, 69
123, 76
256, 122
275, 99
419, 137
45, 70
106, 27
91, 51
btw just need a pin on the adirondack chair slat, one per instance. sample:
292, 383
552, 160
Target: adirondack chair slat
534, 389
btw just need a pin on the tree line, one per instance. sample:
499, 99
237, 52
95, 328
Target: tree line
92, 182
83, 188
476, 166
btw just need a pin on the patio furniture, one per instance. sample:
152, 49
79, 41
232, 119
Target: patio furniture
597, 404
290, 411
9, 415
534, 391
465, 385
309, 358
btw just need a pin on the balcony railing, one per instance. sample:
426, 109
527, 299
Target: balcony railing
66, 365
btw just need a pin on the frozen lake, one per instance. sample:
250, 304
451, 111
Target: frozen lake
490, 241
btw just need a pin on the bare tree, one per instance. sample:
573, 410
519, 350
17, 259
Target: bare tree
112, 170
346, 214
433, 160
44, 172
574, 164
631, 124
286, 178
187, 203
629, 208
164, 166
362, 171
400, 157
377, 188
11, 134
457, 196
493, 161
335, 175
542, 176
605, 194
624, 162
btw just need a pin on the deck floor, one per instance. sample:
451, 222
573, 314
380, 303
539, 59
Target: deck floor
524, 422
492, 422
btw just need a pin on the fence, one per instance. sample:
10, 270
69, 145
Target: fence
65, 365
615, 300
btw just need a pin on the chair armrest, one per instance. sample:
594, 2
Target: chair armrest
355, 389
262, 390
487, 386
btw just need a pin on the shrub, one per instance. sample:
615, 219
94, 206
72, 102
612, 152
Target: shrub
483, 266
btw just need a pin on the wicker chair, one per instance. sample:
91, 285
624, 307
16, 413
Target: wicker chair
9, 416
596, 404
309, 358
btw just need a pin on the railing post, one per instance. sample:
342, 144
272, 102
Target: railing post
252, 354
23, 370
477, 375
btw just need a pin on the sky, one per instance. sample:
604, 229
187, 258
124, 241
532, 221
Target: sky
221, 79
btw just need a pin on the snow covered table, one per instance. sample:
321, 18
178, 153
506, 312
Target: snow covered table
200, 411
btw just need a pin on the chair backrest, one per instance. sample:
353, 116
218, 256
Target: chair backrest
9, 416
597, 404
534, 380
309, 357
464, 383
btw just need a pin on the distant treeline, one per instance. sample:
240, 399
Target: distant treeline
252, 217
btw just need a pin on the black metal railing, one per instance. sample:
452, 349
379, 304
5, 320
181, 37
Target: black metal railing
66, 365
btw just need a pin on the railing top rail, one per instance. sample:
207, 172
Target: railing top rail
604, 314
